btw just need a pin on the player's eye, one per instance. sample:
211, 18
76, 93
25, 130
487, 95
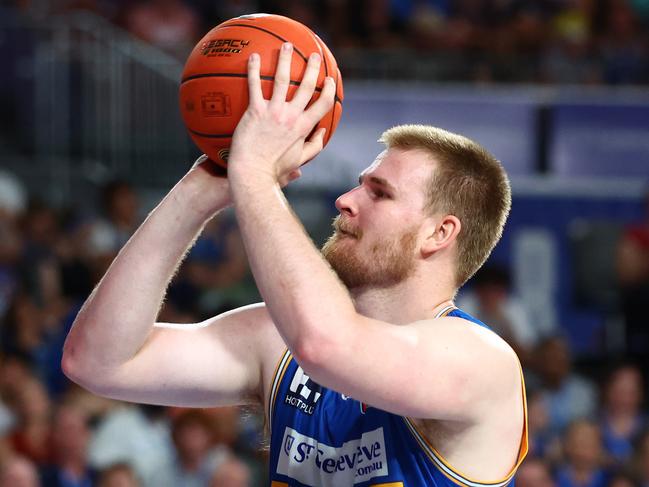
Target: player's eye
380, 194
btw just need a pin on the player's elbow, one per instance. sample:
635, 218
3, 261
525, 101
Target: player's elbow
313, 350
307, 353
73, 367
81, 371
319, 348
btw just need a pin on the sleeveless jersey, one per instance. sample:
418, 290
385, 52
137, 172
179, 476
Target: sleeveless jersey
322, 438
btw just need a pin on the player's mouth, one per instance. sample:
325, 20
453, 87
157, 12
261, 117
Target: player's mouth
342, 228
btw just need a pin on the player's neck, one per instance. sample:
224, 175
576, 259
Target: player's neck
406, 302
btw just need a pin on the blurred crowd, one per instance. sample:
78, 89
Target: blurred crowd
587, 425
531, 41
53, 433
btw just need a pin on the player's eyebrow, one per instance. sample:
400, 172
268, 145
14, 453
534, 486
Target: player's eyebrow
378, 181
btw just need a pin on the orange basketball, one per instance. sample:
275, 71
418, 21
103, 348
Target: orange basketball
214, 87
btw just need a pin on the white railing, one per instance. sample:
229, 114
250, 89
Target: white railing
105, 104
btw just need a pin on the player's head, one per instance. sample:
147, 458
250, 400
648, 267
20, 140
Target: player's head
467, 182
450, 177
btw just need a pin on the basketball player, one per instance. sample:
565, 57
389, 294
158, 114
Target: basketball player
368, 373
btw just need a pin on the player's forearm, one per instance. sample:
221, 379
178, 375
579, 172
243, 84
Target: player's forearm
116, 319
307, 302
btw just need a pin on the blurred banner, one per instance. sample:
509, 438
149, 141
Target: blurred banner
600, 139
504, 124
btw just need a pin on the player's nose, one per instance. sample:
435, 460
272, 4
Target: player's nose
345, 203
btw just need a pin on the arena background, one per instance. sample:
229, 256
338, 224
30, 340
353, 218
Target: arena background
91, 139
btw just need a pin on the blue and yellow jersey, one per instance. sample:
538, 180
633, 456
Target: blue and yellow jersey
323, 438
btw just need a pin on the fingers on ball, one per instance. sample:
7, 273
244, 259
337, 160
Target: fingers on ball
282, 73
254, 79
309, 81
325, 101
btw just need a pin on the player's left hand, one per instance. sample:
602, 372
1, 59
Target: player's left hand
271, 137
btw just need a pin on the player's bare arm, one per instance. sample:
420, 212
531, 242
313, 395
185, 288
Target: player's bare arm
115, 350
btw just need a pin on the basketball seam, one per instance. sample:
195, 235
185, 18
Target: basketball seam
230, 75
333, 113
268, 32
239, 75
323, 55
326, 67
225, 136
210, 136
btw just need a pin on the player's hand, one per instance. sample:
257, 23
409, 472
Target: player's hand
207, 184
271, 138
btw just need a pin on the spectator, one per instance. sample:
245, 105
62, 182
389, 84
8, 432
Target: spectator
170, 25
622, 419
241, 429
22, 332
138, 435
34, 326
211, 13
118, 475
232, 472
36, 330
623, 46
218, 265
534, 472
12, 204
197, 458
543, 442
569, 56
14, 371
584, 457
118, 222
567, 396
18, 471
623, 479
633, 276
69, 443
13, 196
7, 423
641, 460
32, 406
491, 300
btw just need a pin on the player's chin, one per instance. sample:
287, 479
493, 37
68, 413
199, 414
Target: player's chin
346, 236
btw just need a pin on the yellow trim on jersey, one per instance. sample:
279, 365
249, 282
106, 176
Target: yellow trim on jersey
457, 477
445, 311
278, 376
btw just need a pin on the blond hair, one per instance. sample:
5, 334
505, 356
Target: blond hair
469, 183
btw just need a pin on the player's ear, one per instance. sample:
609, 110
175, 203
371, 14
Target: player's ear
439, 233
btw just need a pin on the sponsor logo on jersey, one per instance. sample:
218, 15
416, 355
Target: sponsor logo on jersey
362, 405
303, 393
306, 460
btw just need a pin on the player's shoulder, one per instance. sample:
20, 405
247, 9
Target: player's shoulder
488, 362
471, 333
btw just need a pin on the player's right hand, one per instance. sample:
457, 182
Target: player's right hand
207, 184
